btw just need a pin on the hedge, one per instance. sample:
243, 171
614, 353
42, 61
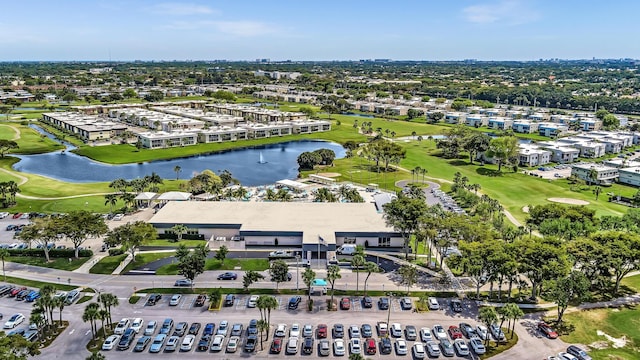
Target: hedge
116, 251
53, 253
184, 237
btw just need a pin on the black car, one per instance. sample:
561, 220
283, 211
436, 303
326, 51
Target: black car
229, 300
456, 305
153, 299
126, 339
367, 302
203, 344
294, 302
383, 303
338, 330
385, 346
194, 329
250, 343
5, 289
228, 276
307, 345
467, 330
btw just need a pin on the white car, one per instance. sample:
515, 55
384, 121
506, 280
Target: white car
14, 321
566, 356
232, 345
151, 327
461, 347
294, 331
111, 342
355, 346
439, 332
3, 215
477, 345
223, 328
122, 326
307, 331
172, 343
418, 351
338, 347
137, 324
354, 331
279, 253
433, 348
253, 301
175, 300
187, 342
433, 303
217, 342
292, 345
396, 330
118, 217
281, 330
425, 334
482, 332
401, 347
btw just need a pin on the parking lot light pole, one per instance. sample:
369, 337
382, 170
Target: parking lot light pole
297, 270
390, 295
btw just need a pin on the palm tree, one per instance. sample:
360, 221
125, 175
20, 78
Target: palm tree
111, 200
103, 315
4, 254
487, 316
108, 300
96, 356
333, 274
369, 267
177, 169
59, 302
515, 313
90, 315
308, 275
271, 304
179, 230
356, 262
263, 327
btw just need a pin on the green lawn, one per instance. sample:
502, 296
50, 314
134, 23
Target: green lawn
229, 264
106, 265
55, 263
30, 141
167, 243
36, 284
633, 282
613, 322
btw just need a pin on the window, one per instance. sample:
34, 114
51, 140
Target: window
348, 240
384, 241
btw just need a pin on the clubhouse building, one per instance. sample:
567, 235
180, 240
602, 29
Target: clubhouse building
316, 229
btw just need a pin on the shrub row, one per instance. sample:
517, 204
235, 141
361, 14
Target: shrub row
184, 236
53, 253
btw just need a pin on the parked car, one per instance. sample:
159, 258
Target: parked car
447, 348
578, 352
324, 348
405, 303
276, 346
32, 296
410, 333
294, 331
194, 329
385, 345
203, 343
280, 254
236, 330
111, 342
425, 334
253, 301
229, 300
142, 343
566, 356
228, 276
497, 333
477, 345
366, 330
292, 345
307, 331
200, 300
438, 332
118, 217
217, 343
461, 347
456, 305
338, 347
209, 328
153, 299
396, 330
345, 303
126, 339
294, 302
338, 331
137, 324
157, 343
252, 329
187, 342
122, 326
307, 345
167, 326
181, 328
454, 332
172, 343
223, 327
467, 330
382, 328
355, 346
151, 328
547, 330
383, 303
401, 347
175, 299
482, 332
321, 331
418, 351
433, 349
367, 302
433, 303
354, 331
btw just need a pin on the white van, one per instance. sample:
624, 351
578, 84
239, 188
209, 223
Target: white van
346, 249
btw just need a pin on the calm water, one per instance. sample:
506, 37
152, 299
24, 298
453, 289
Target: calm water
280, 163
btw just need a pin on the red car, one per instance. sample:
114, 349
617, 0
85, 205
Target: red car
322, 331
345, 304
276, 346
17, 215
454, 332
370, 346
16, 291
547, 330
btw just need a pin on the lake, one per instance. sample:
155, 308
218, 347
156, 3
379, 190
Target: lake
279, 163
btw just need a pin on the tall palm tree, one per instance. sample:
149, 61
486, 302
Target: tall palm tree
370, 267
103, 315
179, 230
271, 304
308, 275
487, 316
108, 301
4, 254
356, 262
263, 327
90, 315
177, 169
59, 303
333, 274
111, 200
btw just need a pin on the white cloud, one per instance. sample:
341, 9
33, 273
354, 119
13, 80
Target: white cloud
510, 12
182, 9
240, 28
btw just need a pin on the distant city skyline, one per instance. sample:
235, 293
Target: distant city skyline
119, 30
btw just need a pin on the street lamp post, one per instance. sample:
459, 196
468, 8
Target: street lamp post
389, 313
297, 270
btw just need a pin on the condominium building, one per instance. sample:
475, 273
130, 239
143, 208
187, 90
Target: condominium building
603, 174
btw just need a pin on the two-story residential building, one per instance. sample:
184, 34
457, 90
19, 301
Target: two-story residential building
629, 176
499, 123
532, 155
524, 127
603, 174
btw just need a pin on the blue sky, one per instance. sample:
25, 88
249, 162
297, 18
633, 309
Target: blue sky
318, 30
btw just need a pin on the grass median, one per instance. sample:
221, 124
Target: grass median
55, 263
214, 264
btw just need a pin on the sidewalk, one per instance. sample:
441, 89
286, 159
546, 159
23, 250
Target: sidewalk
84, 269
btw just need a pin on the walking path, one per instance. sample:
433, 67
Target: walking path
17, 135
24, 179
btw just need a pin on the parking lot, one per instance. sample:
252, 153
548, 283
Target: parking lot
239, 313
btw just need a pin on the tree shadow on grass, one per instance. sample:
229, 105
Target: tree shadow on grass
458, 162
488, 172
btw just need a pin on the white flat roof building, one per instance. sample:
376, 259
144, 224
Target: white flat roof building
605, 174
629, 176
